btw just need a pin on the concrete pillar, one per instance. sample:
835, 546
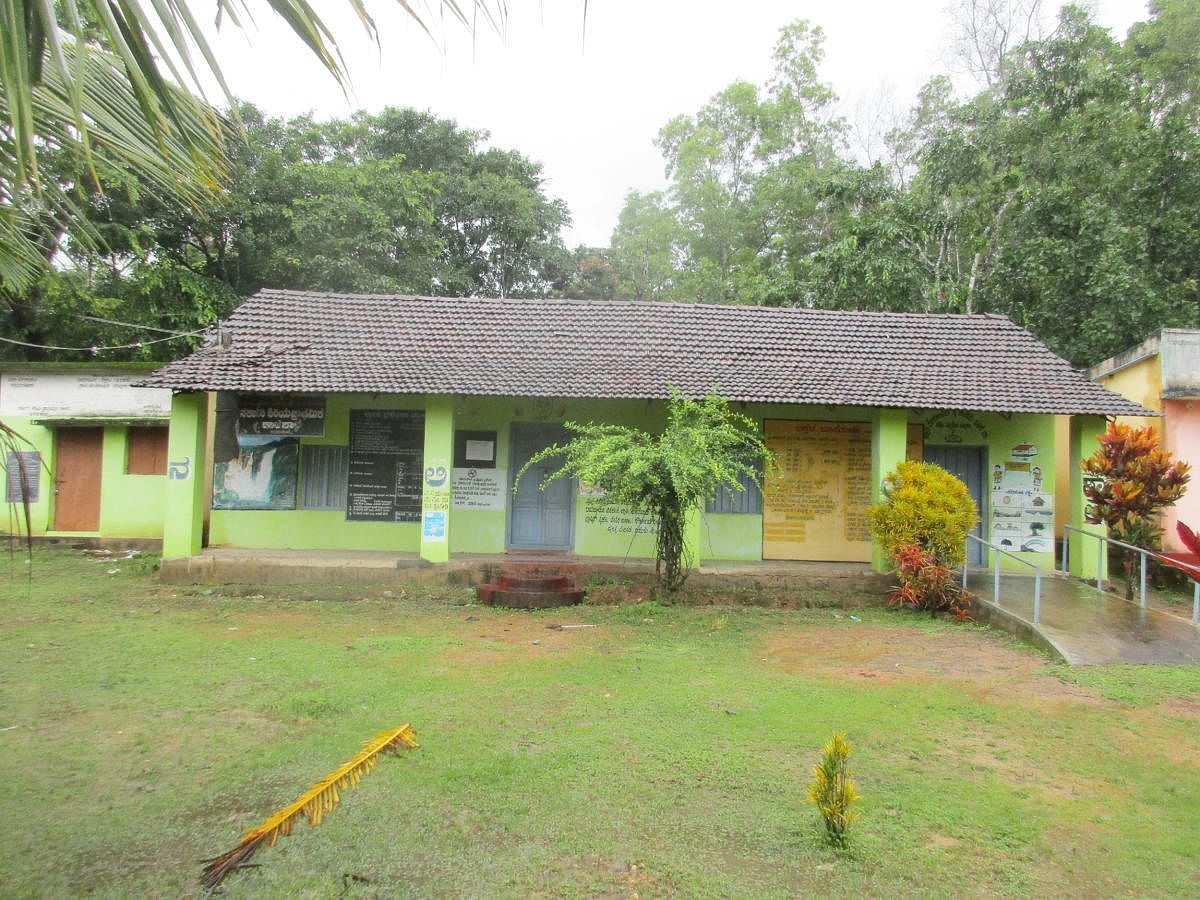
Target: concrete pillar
1083, 553
435, 493
889, 448
187, 462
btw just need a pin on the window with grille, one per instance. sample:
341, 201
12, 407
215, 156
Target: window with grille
748, 500
16, 463
323, 476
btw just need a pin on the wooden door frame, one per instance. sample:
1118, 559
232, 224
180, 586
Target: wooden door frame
95, 474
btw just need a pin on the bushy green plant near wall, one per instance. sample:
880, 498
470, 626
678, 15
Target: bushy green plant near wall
927, 506
705, 445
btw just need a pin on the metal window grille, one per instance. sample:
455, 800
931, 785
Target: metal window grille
747, 501
324, 477
14, 490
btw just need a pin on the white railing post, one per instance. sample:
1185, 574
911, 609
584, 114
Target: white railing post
1099, 562
996, 577
1143, 591
1037, 597
1196, 604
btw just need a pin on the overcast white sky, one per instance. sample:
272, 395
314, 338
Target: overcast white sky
587, 103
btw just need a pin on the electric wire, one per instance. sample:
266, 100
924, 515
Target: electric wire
98, 349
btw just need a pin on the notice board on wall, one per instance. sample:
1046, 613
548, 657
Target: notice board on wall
815, 506
387, 449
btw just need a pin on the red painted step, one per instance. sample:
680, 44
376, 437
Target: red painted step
529, 591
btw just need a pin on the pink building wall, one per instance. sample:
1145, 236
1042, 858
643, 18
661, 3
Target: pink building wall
1181, 432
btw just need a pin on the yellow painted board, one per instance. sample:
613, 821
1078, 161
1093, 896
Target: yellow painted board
815, 506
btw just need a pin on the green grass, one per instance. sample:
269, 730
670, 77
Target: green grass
664, 751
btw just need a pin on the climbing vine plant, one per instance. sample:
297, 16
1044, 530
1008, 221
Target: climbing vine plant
705, 445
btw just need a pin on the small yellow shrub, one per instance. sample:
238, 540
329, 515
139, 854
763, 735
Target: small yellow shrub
927, 506
833, 791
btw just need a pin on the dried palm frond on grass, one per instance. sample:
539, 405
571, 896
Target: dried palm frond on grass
313, 803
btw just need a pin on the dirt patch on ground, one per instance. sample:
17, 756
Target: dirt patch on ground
987, 663
490, 640
890, 652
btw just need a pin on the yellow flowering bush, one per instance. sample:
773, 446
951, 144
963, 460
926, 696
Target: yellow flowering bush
927, 506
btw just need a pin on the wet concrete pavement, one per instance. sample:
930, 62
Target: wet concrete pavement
1087, 627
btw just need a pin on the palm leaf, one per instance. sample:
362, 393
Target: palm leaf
152, 55
313, 803
35, 215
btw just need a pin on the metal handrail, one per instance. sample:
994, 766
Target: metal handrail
1037, 570
1141, 551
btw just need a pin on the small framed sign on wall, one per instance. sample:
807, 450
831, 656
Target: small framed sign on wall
475, 449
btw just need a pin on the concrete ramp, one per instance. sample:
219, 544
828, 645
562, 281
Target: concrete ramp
1085, 626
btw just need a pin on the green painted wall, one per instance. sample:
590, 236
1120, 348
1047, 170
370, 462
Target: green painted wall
186, 487
131, 506
715, 537
435, 498
1086, 558
42, 439
889, 444
311, 529
730, 537
998, 435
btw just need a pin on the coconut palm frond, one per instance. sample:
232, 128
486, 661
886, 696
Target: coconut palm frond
185, 160
131, 75
313, 803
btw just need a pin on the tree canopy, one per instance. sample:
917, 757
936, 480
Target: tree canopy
1063, 196
121, 84
398, 202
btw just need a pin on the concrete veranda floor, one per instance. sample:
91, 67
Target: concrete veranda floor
1086, 626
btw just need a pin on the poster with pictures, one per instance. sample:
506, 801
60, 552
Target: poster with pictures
261, 476
1022, 512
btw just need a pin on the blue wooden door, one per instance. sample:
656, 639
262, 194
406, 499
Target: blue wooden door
968, 465
540, 519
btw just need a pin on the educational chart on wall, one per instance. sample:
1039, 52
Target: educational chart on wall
261, 476
385, 470
815, 507
1022, 512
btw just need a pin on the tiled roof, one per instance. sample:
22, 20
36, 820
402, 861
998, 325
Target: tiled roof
292, 341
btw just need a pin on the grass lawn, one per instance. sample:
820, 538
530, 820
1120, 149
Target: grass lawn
662, 752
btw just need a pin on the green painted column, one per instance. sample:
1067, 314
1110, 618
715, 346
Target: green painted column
1084, 554
889, 446
435, 495
187, 461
